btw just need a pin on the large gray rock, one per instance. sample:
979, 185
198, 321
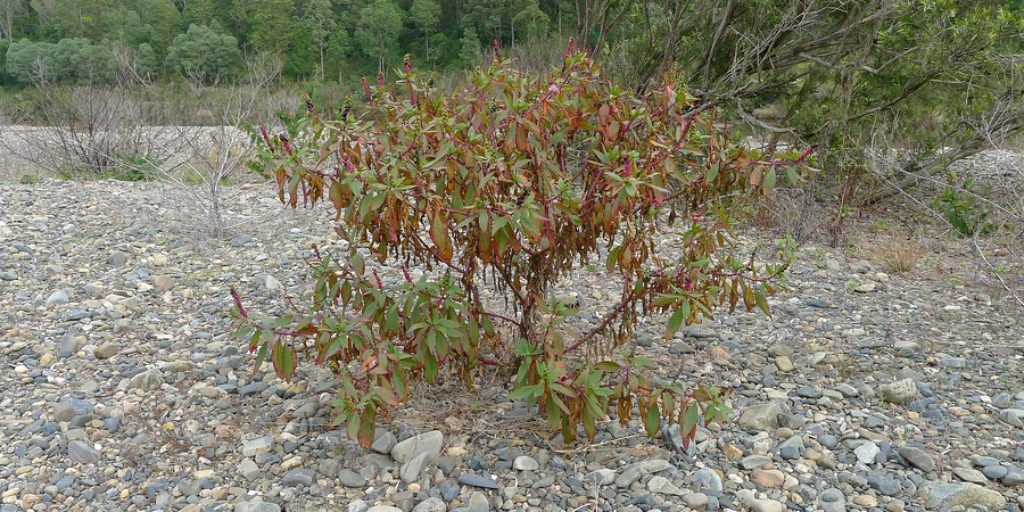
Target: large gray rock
662, 485
83, 453
298, 476
383, 441
918, 458
940, 496
411, 470
1014, 417
257, 506
899, 392
760, 417
147, 380
69, 407
58, 297
429, 442
248, 469
431, 505
256, 446
106, 351
832, 500
478, 503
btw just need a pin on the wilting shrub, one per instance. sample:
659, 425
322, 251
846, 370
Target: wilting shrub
509, 185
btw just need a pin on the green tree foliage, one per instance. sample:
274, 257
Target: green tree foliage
469, 46
203, 54
162, 22
68, 60
530, 22
318, 20
199, 12
380, 23
272, 25
425, 15
11, 14
147, 64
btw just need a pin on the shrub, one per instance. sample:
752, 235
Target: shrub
897, 255
511, 183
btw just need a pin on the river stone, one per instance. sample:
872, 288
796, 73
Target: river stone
82, 452
297, 477
383, 442
709, 481
350, 478
147, 380
867, 452
257, 506
431, 505
947, 496
106, 351
970, 475
662, 485
760, 417
411, 470
428, 442
525, 463
899, 392
918, 458
475, 480
256, 446
1014, 417
478, 503
832, 500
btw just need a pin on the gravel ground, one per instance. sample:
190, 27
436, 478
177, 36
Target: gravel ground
124, 390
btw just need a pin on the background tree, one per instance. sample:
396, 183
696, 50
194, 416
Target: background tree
425, 16
203, 54
469, 46
530, 22
10, 12
377, 33
272, 24
318, 20
162, 22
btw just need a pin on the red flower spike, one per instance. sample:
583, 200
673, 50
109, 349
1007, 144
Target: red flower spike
569, 48
238, 303
380, 284
265, 135
366, 90
408, 65
380, 80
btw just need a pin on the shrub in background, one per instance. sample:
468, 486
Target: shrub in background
512, 183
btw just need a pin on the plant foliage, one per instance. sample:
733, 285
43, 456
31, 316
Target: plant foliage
509, 185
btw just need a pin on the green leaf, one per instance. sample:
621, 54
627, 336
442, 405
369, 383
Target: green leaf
358, 266
762, 301
652, 421
430, 367
688, 419
439, 234
713, 171
529, 392
769, 180
284, 358
676, 321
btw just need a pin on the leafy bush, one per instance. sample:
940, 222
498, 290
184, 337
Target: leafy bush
960, 209
510, 185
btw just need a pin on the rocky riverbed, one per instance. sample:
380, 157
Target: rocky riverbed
124, 389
